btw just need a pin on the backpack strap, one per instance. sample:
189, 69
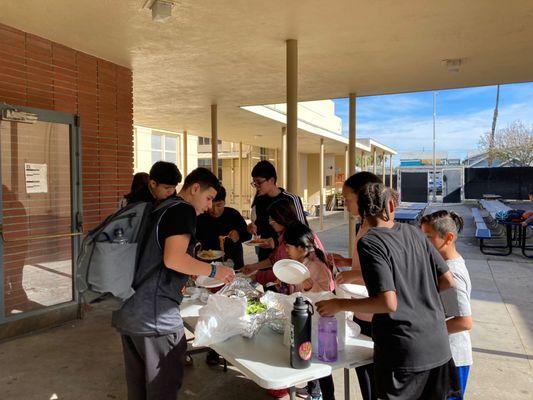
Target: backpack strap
165, 206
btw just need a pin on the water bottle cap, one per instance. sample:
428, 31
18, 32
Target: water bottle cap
300, 303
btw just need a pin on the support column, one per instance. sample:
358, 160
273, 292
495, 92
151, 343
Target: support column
214, 140
251, 190
241, 183
321, 167
375, 159
352, 137
185, 154
390, 170
346, 174
292, 116
383, 168
276, 158
284, 155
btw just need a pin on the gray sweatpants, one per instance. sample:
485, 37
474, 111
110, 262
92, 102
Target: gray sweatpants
154, 366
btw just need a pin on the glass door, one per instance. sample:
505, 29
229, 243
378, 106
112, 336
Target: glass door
40, 203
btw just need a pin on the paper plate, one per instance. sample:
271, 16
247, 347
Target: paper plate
353, 290
207, 282
255, 242
210, 255
291, 271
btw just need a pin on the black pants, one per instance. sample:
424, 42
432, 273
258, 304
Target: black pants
322, 386
365, 373
154, 365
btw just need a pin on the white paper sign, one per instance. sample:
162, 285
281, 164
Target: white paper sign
36, 178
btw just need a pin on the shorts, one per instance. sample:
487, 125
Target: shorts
438, 383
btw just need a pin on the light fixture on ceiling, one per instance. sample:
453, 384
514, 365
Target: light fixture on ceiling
453, 64
161, 9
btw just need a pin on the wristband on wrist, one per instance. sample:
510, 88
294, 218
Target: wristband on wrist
213, 270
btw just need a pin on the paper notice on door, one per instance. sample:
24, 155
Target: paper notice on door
36, 178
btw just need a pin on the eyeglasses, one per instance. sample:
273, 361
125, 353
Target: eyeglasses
258, 183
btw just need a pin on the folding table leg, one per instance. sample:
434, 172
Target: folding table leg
292, 392
346, 384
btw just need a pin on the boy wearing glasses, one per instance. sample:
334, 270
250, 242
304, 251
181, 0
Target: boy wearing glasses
264, 179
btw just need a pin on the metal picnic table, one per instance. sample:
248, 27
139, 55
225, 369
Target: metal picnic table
409, 212
406, 215
515, 233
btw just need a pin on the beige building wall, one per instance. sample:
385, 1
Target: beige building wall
143, 149
192, 153
340, 166
142, 145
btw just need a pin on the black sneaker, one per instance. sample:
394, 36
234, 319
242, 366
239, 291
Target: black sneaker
212, 358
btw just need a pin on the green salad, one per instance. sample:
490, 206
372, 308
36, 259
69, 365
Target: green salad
255, 307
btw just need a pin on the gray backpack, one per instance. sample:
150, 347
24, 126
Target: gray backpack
107, 265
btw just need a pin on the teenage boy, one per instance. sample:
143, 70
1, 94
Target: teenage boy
152, 330
162, 181
264, 179
223, 228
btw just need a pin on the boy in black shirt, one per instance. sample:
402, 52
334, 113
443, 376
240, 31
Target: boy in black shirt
403, 274
150, 323
223, 226
161, 185
264, 180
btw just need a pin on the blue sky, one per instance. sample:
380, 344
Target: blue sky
405, 121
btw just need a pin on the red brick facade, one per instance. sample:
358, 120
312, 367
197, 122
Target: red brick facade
36, 72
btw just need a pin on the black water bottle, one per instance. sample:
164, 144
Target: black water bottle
301, 348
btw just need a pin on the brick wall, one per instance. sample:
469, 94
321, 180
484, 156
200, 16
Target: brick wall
36, 72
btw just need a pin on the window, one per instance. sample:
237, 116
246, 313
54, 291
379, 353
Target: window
263, 153
164, 148
206, 141
206, 163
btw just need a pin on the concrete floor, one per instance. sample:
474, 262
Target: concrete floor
83, 359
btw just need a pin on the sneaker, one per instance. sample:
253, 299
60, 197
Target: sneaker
188, 360
277, 393
212, 358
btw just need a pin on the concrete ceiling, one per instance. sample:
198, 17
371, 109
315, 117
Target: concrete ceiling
232, 52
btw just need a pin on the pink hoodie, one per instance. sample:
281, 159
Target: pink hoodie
320, 275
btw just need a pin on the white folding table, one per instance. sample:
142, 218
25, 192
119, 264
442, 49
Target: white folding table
265, 359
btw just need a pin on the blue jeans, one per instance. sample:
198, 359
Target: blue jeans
463, 377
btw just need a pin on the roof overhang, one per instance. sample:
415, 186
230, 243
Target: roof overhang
232, 53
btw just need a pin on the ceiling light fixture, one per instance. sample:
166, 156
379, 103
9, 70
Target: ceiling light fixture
161, 9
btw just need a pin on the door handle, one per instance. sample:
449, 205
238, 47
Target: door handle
36, 237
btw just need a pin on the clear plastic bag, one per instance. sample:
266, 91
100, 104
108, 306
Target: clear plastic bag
221, 318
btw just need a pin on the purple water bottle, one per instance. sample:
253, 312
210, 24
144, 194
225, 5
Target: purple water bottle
327, 339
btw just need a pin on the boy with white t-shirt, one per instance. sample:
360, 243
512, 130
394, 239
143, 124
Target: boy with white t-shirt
442, 228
